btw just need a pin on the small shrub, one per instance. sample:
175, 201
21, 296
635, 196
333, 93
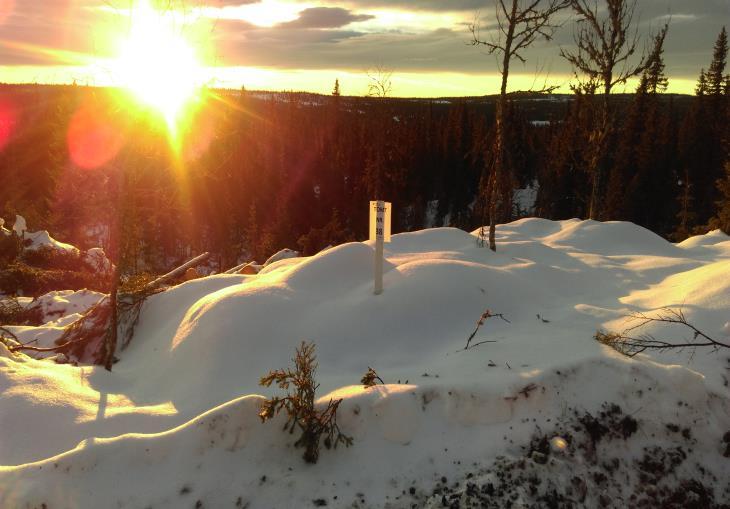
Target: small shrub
19, 278
46, 257
11, 246
12, 313
371, 378
299, 405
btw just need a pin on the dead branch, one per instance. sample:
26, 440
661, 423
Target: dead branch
485, 316
234, 270
4, 331
96, 325
629, 344
175, 272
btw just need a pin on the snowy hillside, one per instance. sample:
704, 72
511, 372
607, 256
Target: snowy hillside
542, 414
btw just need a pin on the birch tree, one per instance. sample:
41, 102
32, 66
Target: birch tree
519, 24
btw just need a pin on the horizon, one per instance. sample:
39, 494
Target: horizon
279, 45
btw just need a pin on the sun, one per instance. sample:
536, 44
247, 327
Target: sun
156, 62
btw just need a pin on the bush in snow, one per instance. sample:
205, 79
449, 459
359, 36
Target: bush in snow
19, 278
371, 378
299, 405
10, 247
14, 313
46, 257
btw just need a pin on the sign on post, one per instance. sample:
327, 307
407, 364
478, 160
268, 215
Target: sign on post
379, 233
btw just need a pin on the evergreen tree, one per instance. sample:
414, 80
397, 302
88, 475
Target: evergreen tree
716, 73
722, 218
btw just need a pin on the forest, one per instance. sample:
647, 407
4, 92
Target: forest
261, 171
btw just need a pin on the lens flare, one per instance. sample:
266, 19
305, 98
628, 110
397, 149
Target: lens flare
93, 138
8, 122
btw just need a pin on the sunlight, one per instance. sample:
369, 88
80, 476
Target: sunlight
157, 64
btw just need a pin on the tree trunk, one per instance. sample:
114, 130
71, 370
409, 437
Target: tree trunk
599, 141
497, 174
498, 170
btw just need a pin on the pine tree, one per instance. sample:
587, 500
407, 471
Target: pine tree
640, 172
701, 88
336, 90
703, 151
716, 73
722, 219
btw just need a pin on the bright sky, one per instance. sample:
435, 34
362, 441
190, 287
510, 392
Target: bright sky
306, 45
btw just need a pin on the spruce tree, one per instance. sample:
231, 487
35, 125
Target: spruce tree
716, 73
722, 218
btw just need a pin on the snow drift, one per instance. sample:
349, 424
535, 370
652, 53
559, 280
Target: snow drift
175, 423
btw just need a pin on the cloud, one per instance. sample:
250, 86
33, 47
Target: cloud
425, 5
327, 36
326, 17
230, 3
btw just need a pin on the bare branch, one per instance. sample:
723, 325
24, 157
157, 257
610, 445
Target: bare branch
380, 83
485, 316
631, 345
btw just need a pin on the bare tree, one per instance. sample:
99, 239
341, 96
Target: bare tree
606, 45
520, 24
380, 83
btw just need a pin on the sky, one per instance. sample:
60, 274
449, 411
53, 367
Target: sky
306, 45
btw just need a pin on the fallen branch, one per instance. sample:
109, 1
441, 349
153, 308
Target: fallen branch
631, 345
485, 316
175, 272
95, 326
234, 270
4, 331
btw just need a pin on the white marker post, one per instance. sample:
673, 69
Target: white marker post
379, 232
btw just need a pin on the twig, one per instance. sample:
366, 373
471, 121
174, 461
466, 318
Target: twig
485, 316
6, 331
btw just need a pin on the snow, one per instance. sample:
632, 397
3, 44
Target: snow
96, 258
284, 254
43, 239
524, 199
19, 227
176, 421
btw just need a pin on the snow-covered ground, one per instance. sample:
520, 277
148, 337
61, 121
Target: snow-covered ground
175, 424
